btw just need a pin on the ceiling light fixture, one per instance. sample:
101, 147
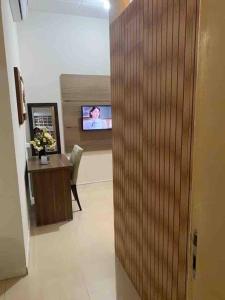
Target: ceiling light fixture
106, 4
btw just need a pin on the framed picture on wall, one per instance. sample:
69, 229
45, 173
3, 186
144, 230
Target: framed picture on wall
20, 96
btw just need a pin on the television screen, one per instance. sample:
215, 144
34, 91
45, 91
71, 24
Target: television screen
96, 117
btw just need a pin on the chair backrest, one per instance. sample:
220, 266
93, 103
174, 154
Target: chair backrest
75, 158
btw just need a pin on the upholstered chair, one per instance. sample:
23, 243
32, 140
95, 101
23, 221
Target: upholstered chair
75, 159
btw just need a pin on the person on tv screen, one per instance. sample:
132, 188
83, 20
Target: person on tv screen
95, 122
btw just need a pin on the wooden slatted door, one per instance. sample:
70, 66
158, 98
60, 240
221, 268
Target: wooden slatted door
153, 46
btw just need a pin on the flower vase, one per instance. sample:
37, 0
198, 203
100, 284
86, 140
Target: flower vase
41, 153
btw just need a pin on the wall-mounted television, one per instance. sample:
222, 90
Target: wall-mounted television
96, 117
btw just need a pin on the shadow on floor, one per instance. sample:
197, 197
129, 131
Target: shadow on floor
2, 288
11, 282
38, 230
7, 284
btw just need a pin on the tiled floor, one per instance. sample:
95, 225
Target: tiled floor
75, 260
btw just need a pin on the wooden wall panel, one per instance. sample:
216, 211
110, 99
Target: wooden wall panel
153, 45
78, 90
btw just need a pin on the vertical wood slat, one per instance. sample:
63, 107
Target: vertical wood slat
153, 68
189, 85
163, 211
168, 178
146, 111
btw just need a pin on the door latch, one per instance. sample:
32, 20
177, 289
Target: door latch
194, 251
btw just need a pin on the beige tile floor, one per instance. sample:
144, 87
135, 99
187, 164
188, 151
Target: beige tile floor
75, 260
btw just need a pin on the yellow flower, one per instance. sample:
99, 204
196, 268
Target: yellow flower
39, 148
47, 135
52, 147
42, 139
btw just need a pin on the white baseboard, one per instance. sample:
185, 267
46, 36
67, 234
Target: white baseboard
28, 249
92, 182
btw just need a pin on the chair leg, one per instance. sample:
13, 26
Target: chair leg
75, 194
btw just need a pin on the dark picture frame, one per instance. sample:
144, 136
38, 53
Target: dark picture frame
53, 105
20, 96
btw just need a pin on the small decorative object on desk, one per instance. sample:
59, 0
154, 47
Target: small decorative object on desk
43, 141
44, 160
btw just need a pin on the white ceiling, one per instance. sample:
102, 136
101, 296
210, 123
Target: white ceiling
87, 8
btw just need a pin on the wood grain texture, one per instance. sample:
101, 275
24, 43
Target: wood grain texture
56, 161
153, 48
51, 184
78, 90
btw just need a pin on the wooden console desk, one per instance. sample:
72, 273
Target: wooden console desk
51, 186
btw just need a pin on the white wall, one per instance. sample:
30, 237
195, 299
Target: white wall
54, 44
14, 227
